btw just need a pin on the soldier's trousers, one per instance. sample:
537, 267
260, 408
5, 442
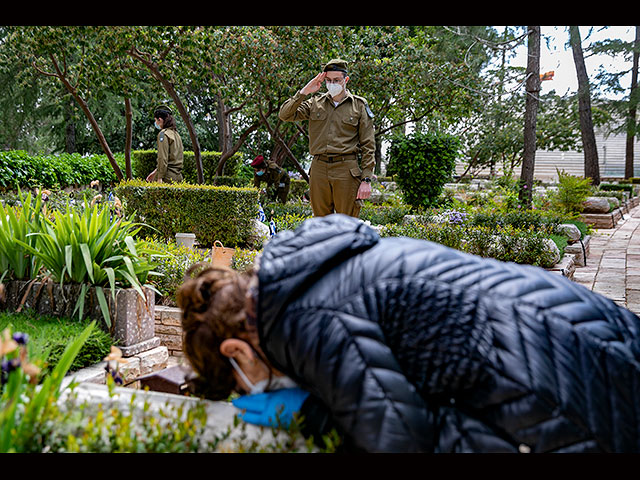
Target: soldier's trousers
333, 186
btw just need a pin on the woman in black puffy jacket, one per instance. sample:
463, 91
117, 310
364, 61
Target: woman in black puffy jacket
405, 345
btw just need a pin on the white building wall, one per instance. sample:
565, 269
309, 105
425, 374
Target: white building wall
611, 154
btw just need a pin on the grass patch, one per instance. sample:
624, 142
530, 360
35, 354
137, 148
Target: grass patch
49, 336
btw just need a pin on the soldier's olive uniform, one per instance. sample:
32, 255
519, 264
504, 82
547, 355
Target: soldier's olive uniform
337, 136
278, 182
170, 156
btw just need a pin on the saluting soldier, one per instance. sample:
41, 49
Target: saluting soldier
278, 182
340, 131
170, 150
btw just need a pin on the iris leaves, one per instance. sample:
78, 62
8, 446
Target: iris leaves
90, 247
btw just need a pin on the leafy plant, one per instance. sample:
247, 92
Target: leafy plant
571, 194
22, 405
171, 263
17, 223
423, 163
91, 248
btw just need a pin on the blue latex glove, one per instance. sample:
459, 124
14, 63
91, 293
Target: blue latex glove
267, 408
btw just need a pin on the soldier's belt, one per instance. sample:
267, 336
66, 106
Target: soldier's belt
336, 158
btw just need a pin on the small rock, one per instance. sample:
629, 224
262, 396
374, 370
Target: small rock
571, 231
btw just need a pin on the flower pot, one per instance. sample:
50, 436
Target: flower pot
186, 239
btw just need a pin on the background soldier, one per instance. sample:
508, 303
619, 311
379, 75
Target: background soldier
340, 130
278, 182
170, 150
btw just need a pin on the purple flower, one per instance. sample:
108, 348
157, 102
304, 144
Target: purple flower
21, 338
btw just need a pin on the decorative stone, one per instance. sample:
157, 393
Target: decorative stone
571, 231
552, 255
596, 205
259, 236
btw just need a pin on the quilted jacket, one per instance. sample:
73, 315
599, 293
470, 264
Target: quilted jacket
410, 346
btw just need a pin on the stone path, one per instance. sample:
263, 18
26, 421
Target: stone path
613, 263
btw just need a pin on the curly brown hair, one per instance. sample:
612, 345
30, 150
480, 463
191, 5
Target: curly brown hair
213, 304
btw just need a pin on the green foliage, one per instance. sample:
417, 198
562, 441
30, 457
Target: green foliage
571, 194
289, 221
144, 161
519, 218
502, 242
22, 406
423, 163
211, 213
625, 187
18, 169
17, 226
171, 263
244, 259
49, 336
92, 247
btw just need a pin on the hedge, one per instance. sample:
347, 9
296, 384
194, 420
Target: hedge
145, 161
20, 169
210, 212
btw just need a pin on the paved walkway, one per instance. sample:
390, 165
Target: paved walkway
613, 263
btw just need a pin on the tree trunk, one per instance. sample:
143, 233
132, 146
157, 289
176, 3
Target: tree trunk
169, 88
591, 165
224, 126
128, 114
85, 108
530, 116
70, 128
633, 103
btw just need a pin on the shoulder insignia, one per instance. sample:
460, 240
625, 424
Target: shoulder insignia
369, 112
366, 105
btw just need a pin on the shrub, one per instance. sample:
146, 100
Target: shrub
244, 259
211, 213
571, 194
92, 247
145, 161
171, 264
504, 243
17, 224
423, 163
18, 169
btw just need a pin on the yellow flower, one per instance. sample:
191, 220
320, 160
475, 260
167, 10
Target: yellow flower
115, 355
7, 344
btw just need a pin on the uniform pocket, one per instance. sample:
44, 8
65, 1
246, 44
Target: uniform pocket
356, 173
317, 113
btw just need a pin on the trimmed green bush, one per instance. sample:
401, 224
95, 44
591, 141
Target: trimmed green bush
423, 163
626, 187
145, 161
19, 169
211, 213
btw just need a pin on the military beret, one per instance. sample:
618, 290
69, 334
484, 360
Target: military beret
259, 160
162, 109
336, 65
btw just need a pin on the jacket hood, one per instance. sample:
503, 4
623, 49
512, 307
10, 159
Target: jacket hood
292, 260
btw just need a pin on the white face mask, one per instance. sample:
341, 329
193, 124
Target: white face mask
277, 383
334, 89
